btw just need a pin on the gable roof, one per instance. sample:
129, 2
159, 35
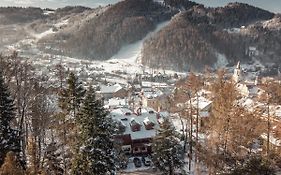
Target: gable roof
125, 115
203, 103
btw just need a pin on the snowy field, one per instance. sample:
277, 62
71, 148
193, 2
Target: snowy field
118, 69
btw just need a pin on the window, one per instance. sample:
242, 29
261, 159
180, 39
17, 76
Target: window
136, 149
127, 149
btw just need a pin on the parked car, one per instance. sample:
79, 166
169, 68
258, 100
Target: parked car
146, 161
137, 162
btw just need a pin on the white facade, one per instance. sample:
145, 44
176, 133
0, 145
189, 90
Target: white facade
238, 74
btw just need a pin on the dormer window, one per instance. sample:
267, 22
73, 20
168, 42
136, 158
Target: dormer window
127, 113
135, 126
148, 124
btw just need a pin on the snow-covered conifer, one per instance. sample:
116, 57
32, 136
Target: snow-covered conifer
97, 154
167, 150
9, 139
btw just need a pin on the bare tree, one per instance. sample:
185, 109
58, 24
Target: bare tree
195, 84
271, 96
229, 138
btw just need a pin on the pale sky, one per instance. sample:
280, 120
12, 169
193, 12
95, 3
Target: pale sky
271, 5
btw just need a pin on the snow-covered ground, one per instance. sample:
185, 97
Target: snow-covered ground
43, 34
132, 168
118, 69
274, 23
132, 52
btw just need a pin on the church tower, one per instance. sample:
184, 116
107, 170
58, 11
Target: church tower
237, 76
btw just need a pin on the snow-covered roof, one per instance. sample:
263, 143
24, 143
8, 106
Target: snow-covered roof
247, 102
180, 124
147, 110
275, 110
273, 140
251, 105
137, 86
203, 92
147, 84
146, 121
252, 48
117, 102
146, 115
203, 103
164, 114
254, 90
48, 12
249, 89
152, 94
110, 89
120, 112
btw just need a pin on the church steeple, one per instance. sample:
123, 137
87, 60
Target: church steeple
237, 76
238, 65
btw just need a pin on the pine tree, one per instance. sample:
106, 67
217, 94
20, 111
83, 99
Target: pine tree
70, 99
9, 140
11, 165
53, 161
167, 150
97, 153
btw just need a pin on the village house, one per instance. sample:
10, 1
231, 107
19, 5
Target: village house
114, 91
204, 107
244, 87
155, 95
137, 128
252, 51
274, 142
274, 114
154, 98
114, 103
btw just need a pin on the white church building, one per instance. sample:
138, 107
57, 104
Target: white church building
244, 87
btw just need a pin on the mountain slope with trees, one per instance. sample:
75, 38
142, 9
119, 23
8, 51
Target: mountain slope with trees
103, 34
196, 37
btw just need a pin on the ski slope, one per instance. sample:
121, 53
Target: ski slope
132, 53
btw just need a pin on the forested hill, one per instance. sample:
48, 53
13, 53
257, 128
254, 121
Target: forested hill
198, 36
102, 35
195, 36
